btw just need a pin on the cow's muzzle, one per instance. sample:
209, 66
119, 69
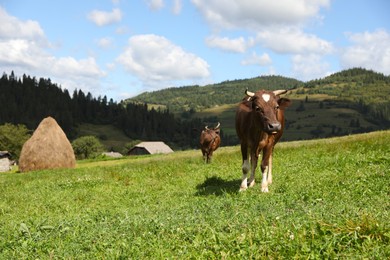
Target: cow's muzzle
274, 128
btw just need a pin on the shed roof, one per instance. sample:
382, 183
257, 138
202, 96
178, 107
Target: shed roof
154, 147
5, 154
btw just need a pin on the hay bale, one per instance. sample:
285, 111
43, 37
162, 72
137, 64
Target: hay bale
48, 148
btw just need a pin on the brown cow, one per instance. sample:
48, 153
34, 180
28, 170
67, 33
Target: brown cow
209, 142
259, 126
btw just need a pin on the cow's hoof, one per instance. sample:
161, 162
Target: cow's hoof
264, 189
243, 189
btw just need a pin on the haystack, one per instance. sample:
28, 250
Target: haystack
48, 148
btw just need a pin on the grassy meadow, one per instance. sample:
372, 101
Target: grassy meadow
329, 199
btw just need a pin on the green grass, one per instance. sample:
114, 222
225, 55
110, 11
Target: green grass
329, 199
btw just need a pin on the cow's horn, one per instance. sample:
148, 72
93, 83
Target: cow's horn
217, 126
248, 93
279, 92
206, 127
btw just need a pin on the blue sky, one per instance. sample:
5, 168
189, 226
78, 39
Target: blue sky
122, 48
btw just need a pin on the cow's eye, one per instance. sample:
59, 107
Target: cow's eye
277, 107
257, 108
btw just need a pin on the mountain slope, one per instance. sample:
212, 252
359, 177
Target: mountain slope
350, 101
196, 98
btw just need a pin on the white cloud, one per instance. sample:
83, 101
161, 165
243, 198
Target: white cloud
19, 53
255, 14
232, 45
308, 67
105, 42
102, 18
177, 6
26, 52
370, 50
12, 28
155, 4
156, 60
26, 57
72, 67
122, 30
255, 59
278, 27
293, 40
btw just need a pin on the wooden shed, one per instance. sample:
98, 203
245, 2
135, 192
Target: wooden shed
5, 162
150, 148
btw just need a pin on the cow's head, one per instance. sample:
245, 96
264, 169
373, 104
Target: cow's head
216, 129
265, 105
208, 135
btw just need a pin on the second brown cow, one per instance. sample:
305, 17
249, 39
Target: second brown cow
209, 141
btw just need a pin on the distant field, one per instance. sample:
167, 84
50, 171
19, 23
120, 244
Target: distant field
329, 200
109, 136
225, 114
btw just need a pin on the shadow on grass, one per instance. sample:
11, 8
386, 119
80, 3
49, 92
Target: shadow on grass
217, 186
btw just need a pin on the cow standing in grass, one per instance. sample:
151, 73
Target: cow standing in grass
259, 126
209, 141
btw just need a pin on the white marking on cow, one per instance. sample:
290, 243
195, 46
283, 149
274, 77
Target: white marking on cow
266, 97
244, 184
264, 182
251, 180
269, 180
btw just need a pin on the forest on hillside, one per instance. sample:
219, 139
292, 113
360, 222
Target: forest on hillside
196, 98
366, 90
27, 100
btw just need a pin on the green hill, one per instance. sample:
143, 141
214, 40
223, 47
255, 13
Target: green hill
350, 101
367, 90
196, 98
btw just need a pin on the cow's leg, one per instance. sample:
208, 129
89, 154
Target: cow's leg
254, 159
209, 156
204, 155
264, 181
245, 167
267, 152
269, 178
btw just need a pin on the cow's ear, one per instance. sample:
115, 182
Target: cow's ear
284, 102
